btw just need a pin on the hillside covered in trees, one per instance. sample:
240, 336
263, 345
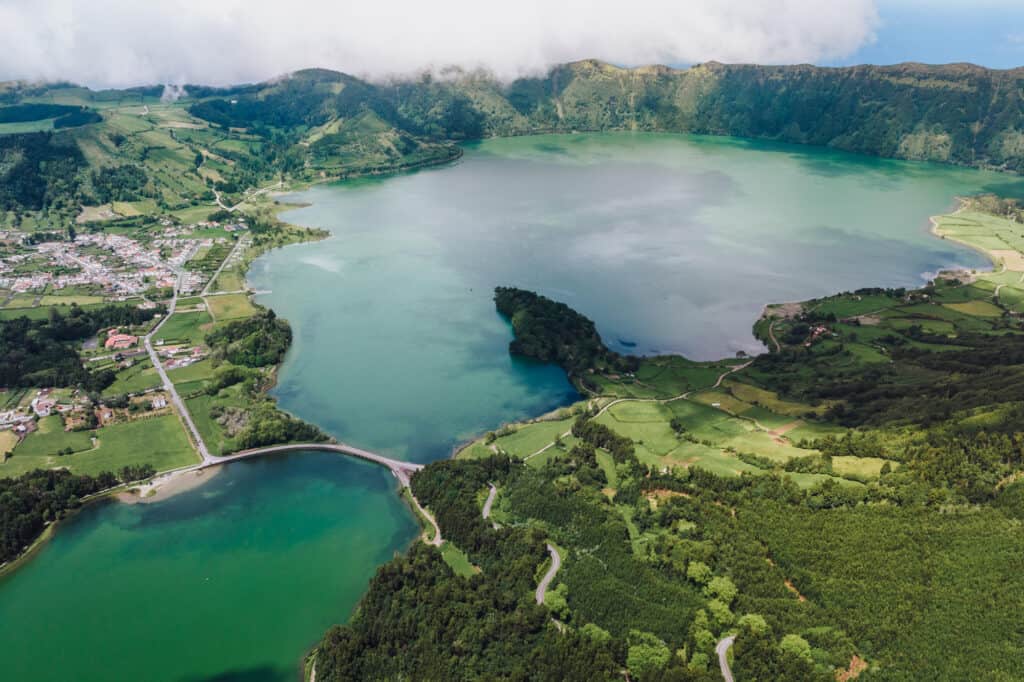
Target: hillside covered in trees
318, 123
845, 515
955, 113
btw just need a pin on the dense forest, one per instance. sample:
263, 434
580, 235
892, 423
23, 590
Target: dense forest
44, 352
255, 341
417, 623
119, 183
31, 501
38, 170
553, 332
21, 113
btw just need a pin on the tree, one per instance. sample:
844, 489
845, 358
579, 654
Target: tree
795, 645
596, 633
699, 572
720, 613
753, 623
646, 653
722, 588
557, 601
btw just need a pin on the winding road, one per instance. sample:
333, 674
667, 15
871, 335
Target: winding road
489, 501
232, 209
722, 649
556, 563
771, 335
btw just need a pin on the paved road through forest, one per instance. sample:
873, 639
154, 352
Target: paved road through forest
556, 563
722, 649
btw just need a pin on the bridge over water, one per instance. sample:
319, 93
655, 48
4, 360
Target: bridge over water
402, 470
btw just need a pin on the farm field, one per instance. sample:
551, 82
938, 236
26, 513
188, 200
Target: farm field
230, 306
50, 438
197, 371
229, 280
187, 328
7, 442
117, 445
135, 379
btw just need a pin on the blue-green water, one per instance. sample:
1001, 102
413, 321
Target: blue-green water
230, 581
670, 243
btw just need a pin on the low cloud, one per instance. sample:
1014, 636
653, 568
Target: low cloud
127, 42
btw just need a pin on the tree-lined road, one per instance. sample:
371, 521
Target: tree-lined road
556, 563
489, 501
722, 649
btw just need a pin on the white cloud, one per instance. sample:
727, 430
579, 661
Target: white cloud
129, 42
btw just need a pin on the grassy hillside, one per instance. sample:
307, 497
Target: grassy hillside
317, 124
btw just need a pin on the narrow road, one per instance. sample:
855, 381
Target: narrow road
401, 469
722, 649
179, 404
437, 541
489, 501
771, 335
681, 396
232, 209
216, 273
556, 563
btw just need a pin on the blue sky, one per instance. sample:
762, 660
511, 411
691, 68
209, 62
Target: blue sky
986, 32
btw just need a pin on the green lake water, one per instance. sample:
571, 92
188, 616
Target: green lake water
670, 243
231, 581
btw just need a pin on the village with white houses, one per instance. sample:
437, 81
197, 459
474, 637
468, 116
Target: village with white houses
145, 270
112, 265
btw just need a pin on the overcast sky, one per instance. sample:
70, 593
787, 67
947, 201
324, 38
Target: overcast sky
130, 42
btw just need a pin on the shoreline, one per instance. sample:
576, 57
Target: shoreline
934, 231
166, 485
50, 530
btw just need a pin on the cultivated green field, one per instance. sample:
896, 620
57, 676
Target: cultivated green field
135, 379
159, 441
230, 306
51, 438
229, 280
189, 328
197, 371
